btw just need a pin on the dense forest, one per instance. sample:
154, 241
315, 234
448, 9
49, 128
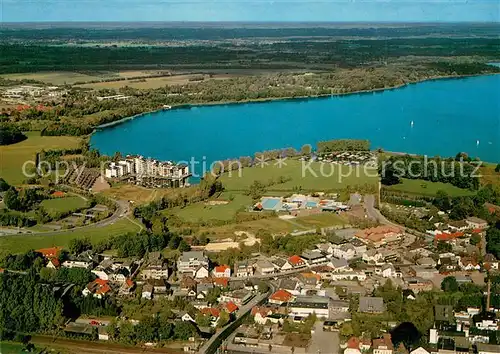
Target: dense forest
316, 53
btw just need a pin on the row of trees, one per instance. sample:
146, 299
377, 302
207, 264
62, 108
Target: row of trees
459, 174
343, 145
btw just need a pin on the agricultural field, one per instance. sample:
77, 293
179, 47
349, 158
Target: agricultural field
427, 188
209, 210
324, 177
63, 205
23, 243
12, 157
147, 83
70, 78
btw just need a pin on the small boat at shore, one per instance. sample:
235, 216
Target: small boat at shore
166, 107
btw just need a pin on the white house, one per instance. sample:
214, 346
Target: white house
476, 223
243, 269
467, 263
201, 272
419, 350
147, 292
345, 251
187, 318
190, 261
76, 264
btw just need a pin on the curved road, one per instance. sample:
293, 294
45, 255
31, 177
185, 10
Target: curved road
122, 211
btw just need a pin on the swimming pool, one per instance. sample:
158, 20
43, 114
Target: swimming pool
269, 203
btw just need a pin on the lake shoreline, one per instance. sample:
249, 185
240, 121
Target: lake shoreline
274, 99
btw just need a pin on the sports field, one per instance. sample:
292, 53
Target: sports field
12, 157
418, 186
62, 205
308, 177
22, 243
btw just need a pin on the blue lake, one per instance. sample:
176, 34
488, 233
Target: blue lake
448, 116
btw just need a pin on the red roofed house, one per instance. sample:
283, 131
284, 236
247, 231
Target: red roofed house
279, 297
231, 307
445, 236
353, 346
49, 253
383, 345
222, 282
296, 262
58, 194
260, 314
99, 288
380, 235
213, 313
222, 271
127, 287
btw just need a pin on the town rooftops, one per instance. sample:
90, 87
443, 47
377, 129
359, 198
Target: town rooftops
281, 295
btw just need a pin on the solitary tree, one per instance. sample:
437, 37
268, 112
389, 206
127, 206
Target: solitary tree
449, 284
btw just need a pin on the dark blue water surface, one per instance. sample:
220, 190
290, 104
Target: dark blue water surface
448, 116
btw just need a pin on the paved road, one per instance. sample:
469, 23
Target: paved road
241, 312
122, 211
375, 214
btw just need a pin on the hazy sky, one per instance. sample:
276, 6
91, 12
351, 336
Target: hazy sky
254, 10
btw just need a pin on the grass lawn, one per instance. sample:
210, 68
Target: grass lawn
62, 205
138, 194
12, 157
22, 243
204, 211
321, 177
272, 225
11, 348
417, 186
